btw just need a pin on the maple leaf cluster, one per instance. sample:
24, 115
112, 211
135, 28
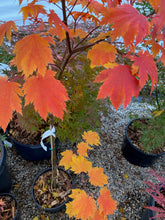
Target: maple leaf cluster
125, 68
84, 206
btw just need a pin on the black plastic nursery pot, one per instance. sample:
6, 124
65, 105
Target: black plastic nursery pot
148, 214
53, 209
2, 195
136, 156
5, 177
33, 152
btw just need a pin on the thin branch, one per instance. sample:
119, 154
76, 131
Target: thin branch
86, 37
79, 49
65, 22
64, 65
72, 9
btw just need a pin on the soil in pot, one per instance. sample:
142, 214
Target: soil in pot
147, 135
8, 207
27, 142
49, 199
26, 133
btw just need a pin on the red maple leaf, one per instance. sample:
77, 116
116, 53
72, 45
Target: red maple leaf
105, 202
119, 84
146, 66
127, 23
10, 100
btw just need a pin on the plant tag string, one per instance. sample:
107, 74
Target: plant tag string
46, 134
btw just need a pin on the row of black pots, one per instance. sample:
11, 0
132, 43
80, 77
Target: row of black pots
5, 179
130, 152
136, 156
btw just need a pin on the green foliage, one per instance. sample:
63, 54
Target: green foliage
153, 133
5, 57
83, 109
144, 8
31, 120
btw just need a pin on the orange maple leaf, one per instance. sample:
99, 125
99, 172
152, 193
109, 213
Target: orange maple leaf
91, 138
47, 94
102, 53
32, 53
59, 25
101, 36
155, 47
119, 84
84, 16
159, 18
79, 164
78, 33
9, 100
6, 29
98, 216
146, 66
127, 23
82, 149
32, 10
82, 207
66, 159
97, 177
105, 202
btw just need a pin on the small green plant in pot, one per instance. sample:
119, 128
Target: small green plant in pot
150, 133
145, 140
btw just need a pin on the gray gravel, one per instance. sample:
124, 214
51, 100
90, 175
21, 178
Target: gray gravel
125, 180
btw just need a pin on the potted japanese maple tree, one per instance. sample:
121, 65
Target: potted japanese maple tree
79, 202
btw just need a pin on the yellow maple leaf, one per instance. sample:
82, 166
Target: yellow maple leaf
6, 29
97, 177
82, 207
32, 10
101, 36
105, 202
91, 138
110, 65
79, 164
78, 33
32, 53
101, 54
157, 113
66, 159
82, 149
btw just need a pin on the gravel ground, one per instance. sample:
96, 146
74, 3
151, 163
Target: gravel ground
125, 180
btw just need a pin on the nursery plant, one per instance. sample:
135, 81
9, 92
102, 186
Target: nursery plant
148, 134
116, 37
157, 193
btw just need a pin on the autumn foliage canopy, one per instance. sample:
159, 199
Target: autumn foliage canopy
125, 47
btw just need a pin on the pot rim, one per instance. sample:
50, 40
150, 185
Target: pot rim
3, 153
16, 202
54, 209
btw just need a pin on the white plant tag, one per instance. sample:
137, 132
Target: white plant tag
7, 143
46, 134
